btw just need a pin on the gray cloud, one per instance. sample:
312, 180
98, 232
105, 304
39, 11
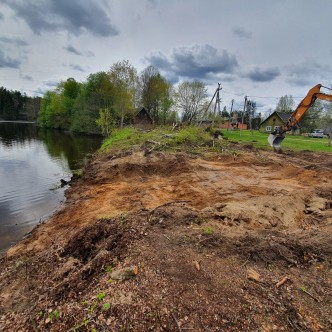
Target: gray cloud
51, 84
257, 74
72, 49
13, 41
47, 86
308, 72
74, 16
242, 33
76, 67
1, 16
26, 77
7, 62
197, 61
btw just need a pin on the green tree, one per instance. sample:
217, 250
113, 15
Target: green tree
67, 92
155, 94
105, 121
285, 104
190, 99
312, 118
124, 79
46, 114
94, 95
326, 121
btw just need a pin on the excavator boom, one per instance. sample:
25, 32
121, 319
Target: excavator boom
275, 138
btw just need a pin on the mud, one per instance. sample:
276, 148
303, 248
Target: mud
195, 227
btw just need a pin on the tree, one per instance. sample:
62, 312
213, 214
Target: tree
94, 95
311, 119
14, 105
105, 121
285, 104
155, 94
190, 99
46, 114
250, 115
123, 78
326, 121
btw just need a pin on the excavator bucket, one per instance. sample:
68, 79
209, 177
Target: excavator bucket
275, 141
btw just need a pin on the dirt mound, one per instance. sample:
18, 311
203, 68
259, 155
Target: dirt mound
137, 164
211, 238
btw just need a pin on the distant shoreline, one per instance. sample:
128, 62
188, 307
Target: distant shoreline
18, 121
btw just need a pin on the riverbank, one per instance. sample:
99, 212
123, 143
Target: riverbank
235, 240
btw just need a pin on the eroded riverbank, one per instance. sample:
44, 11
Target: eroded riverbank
211, 237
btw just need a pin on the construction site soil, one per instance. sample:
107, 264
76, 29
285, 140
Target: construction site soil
224, 242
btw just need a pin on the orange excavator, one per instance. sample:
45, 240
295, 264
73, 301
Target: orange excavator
276, 137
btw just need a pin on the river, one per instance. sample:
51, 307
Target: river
32, 163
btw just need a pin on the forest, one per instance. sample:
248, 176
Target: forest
16, 106
109, 99
112, 99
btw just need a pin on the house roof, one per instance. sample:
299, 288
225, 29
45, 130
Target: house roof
143, 110
282, 116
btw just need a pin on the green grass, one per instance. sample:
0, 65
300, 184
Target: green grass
294, 143
197, 140
188, 138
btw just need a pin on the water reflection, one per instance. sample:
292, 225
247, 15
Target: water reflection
32, 162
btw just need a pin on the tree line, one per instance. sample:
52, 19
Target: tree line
109, 99
113, 98
16, 106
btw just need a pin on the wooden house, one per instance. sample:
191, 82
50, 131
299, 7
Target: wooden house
275, 120
143, 119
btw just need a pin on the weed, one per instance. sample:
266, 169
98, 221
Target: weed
108, 268
199, 221
101, 296
123, 218
54, 315
106, 306
208, 230
303, 289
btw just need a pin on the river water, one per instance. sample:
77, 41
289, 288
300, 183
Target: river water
32, 163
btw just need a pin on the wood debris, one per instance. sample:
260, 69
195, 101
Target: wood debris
253, 275
125, 273
282, 281
197, 265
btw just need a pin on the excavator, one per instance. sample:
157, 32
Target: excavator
277, 136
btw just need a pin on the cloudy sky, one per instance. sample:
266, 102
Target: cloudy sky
264, 49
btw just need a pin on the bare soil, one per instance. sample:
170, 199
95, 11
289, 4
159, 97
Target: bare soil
211, 237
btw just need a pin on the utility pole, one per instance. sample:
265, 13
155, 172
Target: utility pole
216, 94
217, 103
244, 109
229, 118
250, 117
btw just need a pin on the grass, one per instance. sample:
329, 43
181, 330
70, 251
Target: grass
198, 140
189, 137
294, 143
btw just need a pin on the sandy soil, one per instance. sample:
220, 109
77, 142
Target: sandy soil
211, 238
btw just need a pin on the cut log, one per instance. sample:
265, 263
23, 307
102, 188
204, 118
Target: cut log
125, 273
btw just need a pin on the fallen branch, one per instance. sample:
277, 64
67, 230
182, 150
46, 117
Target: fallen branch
176, 322
306, 292
281, 282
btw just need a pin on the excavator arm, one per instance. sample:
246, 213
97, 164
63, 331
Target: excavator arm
275, 138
